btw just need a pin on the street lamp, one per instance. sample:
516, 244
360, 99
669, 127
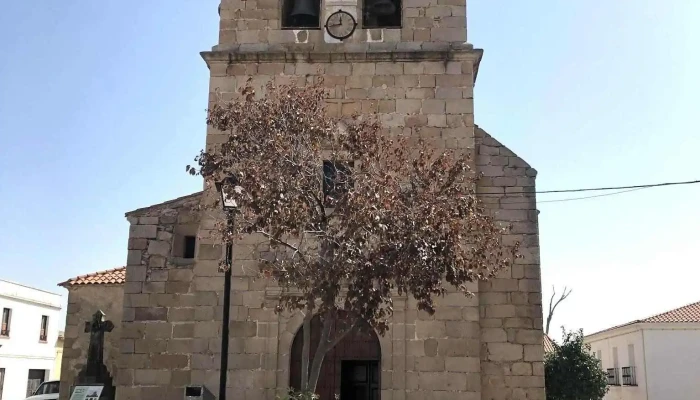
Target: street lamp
226, 189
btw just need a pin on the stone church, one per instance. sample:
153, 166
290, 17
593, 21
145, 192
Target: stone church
409, 62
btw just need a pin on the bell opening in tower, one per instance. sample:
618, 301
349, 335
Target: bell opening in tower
301, 14
381, 13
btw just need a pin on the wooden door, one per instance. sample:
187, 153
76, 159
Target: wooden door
34, 380
361, 345
360, 380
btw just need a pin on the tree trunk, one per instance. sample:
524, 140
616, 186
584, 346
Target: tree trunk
306, 348
324, 345
321, 351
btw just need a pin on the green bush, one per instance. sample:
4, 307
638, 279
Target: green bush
572, 372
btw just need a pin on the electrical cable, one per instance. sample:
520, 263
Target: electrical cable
626, 190
616, 187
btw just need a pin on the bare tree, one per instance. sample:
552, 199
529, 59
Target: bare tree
553, 305
347, 215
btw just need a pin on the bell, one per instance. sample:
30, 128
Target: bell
382, 7
304, 8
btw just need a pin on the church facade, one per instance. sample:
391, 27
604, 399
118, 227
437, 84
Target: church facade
408, 62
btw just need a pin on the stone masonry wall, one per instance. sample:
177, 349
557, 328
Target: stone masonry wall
259, 21
423, 95
420, 94
511, 305
158, 324
83, 302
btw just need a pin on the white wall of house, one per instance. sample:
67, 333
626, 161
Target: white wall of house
622, 348
673, 363
666, 356
22, 349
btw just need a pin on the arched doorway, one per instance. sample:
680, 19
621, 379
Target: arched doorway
351, 369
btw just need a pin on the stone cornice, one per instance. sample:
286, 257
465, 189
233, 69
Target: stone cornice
351, 52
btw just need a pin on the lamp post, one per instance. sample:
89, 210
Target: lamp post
225, 189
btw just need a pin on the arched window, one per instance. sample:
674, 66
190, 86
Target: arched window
301, 14
381, 13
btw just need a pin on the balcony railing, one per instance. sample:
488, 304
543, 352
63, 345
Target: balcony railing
629, 376
613, 377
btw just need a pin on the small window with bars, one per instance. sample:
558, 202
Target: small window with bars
629, 376
6, 319
44, 333
613, 376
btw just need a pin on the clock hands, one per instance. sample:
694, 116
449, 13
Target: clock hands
340, 21
339, 28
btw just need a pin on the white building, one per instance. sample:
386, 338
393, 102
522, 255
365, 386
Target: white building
28, 334
657, 358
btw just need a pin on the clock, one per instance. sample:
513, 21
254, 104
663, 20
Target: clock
341, 25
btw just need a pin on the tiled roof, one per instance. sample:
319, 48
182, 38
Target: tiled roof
111, 276
686, 314
689, 313
548, 344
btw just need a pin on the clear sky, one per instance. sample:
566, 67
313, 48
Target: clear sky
102, 105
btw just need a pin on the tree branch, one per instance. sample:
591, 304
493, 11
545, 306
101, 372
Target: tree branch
553, 306
342, 335
285, 244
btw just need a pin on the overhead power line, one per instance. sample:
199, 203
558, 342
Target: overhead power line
591, 197
625, 189
618, 187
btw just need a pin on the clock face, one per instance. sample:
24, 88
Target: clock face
341, 25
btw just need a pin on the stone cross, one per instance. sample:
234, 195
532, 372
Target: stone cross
95, 367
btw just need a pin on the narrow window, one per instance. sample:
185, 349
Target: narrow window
381, 13
6, 317
2, 380
43, 334
190, 242
301, 14
337, 180
184, 242
616, 362
630, 355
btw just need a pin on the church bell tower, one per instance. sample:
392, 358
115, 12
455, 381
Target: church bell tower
406, 60
409, 63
